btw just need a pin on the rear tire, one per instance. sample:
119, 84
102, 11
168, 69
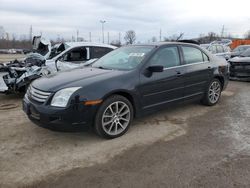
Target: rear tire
213, 93
114, 117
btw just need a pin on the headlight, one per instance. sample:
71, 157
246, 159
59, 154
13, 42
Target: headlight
61, 97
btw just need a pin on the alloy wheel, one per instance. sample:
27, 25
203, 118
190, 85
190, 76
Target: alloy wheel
214, 92
116, 118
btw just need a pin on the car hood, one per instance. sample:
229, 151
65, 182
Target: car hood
74, 78
240, 59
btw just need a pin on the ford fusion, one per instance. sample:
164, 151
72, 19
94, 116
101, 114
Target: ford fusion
128, 82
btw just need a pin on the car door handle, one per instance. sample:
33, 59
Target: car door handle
209, 67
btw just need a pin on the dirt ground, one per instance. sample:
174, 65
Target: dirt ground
10, 57
185, 146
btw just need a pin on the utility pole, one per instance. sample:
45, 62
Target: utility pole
119, 38
222, 31
77, 35
160, 36
102, 22
31, 32
89, 36
108, 37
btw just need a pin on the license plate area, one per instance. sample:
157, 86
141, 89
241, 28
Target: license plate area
33, 113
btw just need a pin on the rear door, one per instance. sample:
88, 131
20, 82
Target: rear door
198, 71
162, 87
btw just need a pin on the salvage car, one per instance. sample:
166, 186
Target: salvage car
128, 82
240, 67
219, 50
239, 50
17, 75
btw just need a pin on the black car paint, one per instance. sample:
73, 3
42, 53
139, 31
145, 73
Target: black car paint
146, 92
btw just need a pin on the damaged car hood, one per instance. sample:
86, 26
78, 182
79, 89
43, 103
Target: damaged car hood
42, 46
240, 59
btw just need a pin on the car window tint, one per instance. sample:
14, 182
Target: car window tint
98, 52
76, 55
167, 57
192, 55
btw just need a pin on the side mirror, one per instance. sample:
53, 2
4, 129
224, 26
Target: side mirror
156, 68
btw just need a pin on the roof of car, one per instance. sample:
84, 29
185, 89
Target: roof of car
78, 44
163, 43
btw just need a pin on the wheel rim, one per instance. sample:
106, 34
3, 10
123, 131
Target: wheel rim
116, 118
214, 92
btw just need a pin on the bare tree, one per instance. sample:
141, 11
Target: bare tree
247, 35
130, 37
207, 38
212, 36
180, 36
174, 37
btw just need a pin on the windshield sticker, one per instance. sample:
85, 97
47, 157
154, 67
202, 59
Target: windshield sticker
136, 54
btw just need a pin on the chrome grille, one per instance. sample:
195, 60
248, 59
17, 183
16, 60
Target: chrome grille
37, 95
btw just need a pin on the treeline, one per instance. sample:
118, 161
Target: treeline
15, 44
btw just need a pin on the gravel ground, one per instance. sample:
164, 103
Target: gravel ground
185, 146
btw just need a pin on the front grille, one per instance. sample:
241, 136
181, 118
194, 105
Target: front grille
37, 95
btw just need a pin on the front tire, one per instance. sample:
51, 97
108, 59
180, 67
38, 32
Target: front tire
114, 117
213, 93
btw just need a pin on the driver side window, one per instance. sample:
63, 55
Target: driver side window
77, 55
167, 57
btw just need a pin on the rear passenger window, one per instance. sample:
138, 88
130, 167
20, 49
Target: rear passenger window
98, 52
220, 49
192, 55
213, 49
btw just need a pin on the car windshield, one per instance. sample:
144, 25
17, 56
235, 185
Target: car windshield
124, 58
246, 53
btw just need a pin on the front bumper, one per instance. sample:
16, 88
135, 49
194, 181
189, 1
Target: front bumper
50, 117
240, 71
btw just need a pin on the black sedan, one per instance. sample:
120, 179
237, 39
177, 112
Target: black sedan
129, 82
240, 67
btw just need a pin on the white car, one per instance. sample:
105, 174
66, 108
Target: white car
17, 75
219, 50
77, 54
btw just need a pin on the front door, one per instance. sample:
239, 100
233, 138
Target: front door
74, 58
162, 87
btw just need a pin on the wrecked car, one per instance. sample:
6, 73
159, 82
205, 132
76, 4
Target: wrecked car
239, 50
240, 67
17, 75
219, 50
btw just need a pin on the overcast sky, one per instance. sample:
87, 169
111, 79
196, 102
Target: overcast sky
63, 17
